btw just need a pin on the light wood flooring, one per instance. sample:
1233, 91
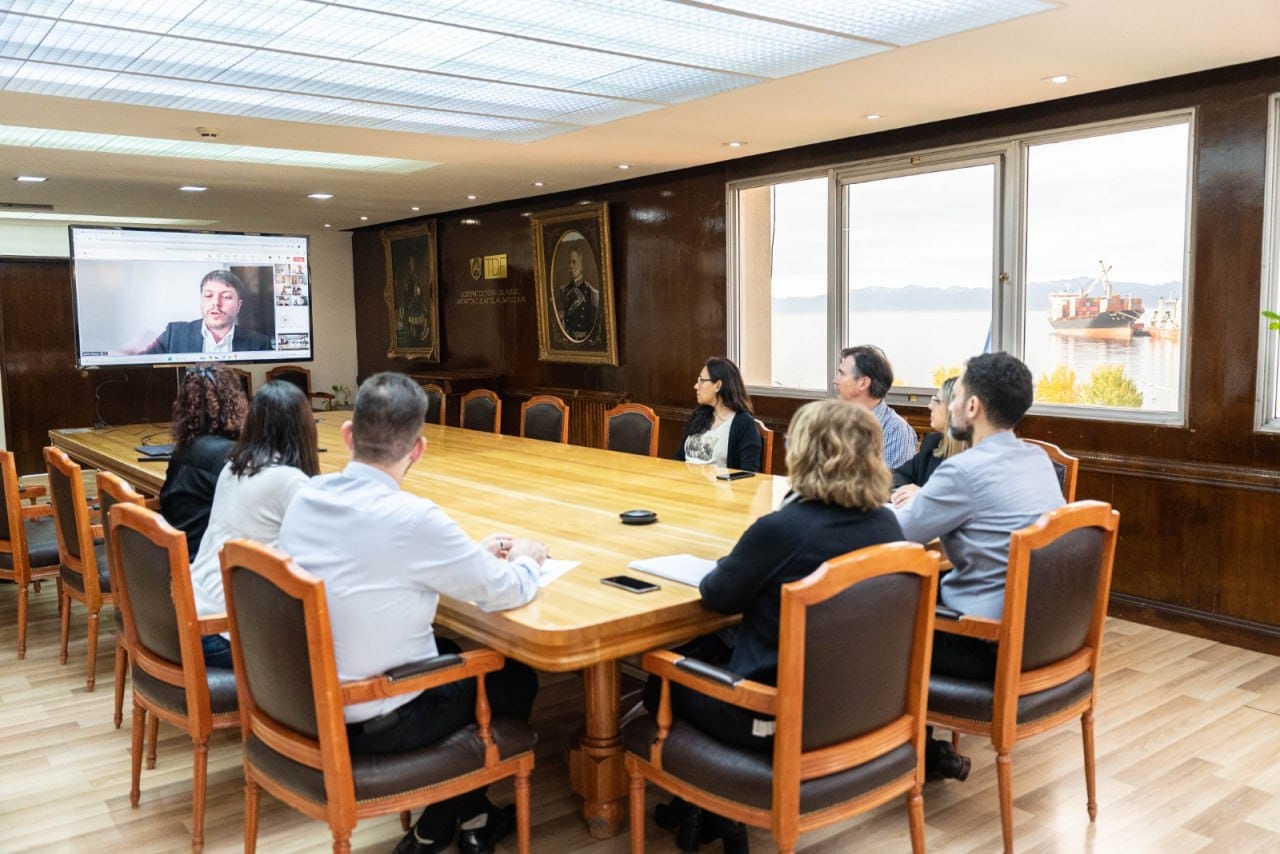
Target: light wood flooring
1188, 760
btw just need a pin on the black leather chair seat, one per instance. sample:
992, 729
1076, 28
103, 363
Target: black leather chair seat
222, 691
42, 544
76, 582
392, 774
971, 699
747, 776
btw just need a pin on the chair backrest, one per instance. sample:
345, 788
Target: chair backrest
296, 374
631, 428
1064, 465
113, 490
853, 660
12, 532
481, 410
435, 403
766, 447
157, 604
545, 416
71, 518
286, 673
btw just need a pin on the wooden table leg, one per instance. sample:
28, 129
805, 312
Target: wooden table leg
598, 774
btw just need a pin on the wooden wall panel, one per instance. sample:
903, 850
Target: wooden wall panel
1201, 506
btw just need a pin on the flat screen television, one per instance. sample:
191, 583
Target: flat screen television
155, 297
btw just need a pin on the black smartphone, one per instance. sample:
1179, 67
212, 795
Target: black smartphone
632, 585
735, 475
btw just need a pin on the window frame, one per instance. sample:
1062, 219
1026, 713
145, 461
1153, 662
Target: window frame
1267, 401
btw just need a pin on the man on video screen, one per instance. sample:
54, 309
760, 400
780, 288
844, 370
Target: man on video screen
221, 296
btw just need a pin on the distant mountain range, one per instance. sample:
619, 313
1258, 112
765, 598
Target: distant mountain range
916, 297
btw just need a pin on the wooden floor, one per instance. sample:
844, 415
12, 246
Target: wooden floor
1188, 760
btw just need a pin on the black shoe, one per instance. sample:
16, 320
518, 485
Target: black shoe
733, 833
943, 763
409, 844
671, 814
501, 823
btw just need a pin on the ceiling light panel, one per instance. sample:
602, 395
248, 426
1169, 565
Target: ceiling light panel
19, 34
7, 69
899, 22
462, 124
266, 69
501, 99
536, 63
188, 59
147, 15
39, 79
340, 32
256, 23
668, 84
182, 95
88, 46
424, 45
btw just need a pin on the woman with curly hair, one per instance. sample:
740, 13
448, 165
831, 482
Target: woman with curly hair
207, 415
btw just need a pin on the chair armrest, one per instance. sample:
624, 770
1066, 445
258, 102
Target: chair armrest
422, 675
953, 622
213, 624
711, 681
35, 511
32, 492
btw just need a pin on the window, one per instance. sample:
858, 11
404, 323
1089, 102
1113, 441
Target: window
1268, 407
1010, 245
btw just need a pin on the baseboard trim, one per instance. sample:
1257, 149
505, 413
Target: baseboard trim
1229, 630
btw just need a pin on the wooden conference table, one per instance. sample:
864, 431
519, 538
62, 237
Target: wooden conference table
568, 497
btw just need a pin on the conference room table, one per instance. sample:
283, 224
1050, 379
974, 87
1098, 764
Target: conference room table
569, 497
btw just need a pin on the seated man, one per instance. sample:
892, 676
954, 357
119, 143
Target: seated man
973, 502
386, 556
221, 296
864, 377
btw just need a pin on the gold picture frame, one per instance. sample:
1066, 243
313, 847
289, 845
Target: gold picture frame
576, 321
412, 291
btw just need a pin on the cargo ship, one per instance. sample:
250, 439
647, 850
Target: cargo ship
1106, 316
1165, 320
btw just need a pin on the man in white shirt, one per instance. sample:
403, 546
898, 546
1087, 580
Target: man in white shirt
864, 376
386, 556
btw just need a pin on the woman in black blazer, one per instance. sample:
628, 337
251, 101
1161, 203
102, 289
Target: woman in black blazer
936, 447
721, 431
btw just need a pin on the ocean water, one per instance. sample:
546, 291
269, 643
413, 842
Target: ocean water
920, 341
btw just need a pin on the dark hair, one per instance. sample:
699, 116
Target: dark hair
1003, 384
227, 278
278, 431
871, 362
733, 393
389, 411
210, 401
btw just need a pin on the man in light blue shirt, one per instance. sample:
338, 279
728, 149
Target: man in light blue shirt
973, 502
864, 376
386, 556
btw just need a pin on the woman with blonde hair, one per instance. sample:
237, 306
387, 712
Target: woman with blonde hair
936, 447
837, 504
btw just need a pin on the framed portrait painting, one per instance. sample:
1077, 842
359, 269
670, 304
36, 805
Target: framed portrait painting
412, 291
573, 270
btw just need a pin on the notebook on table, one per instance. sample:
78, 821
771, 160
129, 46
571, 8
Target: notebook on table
165, 450
684, 568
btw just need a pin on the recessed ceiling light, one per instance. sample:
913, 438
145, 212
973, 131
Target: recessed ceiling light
31, 179
624, 165
470, 221
526, 213
585, 202
736, 143
1059, 79
321, 196
326, 225
192, 188
871, 117
415, 208
471, 197
364, 219
538, 184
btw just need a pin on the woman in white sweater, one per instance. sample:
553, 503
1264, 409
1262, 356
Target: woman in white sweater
274, 457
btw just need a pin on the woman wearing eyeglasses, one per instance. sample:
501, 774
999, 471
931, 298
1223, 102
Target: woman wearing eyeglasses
721, 431
936, 447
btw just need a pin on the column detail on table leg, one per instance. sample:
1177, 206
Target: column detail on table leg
599, 776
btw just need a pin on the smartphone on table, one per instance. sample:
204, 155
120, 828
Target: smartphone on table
631, 585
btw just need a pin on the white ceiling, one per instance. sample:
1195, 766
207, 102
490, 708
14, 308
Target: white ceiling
1100, 43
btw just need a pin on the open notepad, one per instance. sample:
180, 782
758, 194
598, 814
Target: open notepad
684, 568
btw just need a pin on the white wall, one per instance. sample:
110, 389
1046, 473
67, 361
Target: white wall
332, 294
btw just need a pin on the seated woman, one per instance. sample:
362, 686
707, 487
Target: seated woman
275, 456
207, 414
721, 431
839, 488
936, 447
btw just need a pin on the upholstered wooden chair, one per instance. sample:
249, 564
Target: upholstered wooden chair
83, 574
301, 377
28, 542
1066, 466
850, 728
113, 490
481, 409
170, 680
766, 447
631, 428
545, 416
1049, 643
295, 740
435, 403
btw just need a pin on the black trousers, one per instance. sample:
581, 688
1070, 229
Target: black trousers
440, 712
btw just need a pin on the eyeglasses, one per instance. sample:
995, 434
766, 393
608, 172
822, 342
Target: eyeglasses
935, 399
701, 380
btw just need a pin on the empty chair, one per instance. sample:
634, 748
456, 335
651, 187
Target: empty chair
435, 403
301, 377
170, 680
1049, 641
1066, 466
481, 410
295, 739
28, 542
631, 428
545, 416
113, 490
766, 447
849, 728
83, 573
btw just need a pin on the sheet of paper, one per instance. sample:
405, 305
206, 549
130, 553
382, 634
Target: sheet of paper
553, 569
684, 568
